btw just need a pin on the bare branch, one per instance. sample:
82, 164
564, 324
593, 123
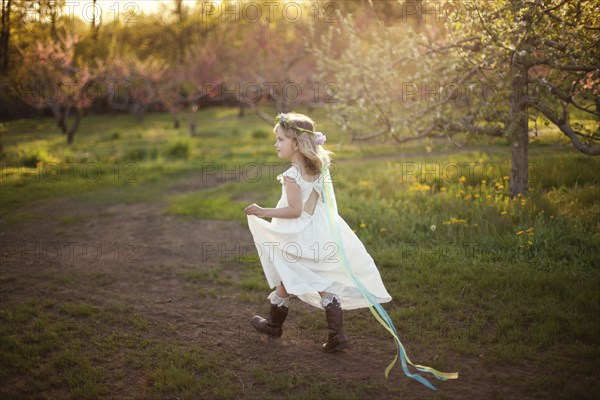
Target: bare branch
565, 67
423, 134
371, 136
579, 68
441, 49
565, 128
263, 115
451, 129
575, 51
569, 99
559, 5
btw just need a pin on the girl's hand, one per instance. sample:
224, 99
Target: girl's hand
255, 209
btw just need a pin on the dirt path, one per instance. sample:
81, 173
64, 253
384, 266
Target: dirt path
145, 256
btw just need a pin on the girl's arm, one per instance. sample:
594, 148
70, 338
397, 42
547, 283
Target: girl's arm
294, 197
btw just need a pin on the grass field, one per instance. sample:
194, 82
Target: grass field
505, 285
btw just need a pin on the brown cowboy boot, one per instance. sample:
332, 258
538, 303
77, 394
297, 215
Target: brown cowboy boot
336, 340
273, 325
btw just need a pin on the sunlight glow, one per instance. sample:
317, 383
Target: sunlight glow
127, 10
113, 10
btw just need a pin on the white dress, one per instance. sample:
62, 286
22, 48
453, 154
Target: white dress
302, 253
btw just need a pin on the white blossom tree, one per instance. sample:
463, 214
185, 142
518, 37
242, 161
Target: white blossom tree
471, 68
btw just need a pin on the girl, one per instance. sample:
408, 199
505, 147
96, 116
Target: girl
298, 250
308, 250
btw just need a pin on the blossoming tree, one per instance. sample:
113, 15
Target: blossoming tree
472, 68
51, 77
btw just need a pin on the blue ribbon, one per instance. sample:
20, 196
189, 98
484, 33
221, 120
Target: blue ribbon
378, 311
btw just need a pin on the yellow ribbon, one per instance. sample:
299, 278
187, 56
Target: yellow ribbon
376, 309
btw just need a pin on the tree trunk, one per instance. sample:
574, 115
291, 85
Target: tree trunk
519, 130
192, 120
94, 26
138, 111
74, 127
5, 36
139, 116
180, 26
60, 118
53, 33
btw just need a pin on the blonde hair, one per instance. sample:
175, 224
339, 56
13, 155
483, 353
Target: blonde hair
314, 154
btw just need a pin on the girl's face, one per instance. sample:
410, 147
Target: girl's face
284, 145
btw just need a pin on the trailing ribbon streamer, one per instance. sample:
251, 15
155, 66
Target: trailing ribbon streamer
376, 309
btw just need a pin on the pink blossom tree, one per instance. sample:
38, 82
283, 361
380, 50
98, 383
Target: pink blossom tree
186, 85
132, 84
52, 78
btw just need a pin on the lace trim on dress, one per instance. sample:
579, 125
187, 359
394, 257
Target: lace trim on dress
327, 300
279, 301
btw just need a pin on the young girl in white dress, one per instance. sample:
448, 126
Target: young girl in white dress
307, 249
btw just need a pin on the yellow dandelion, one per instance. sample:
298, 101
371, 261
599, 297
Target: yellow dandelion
506, 177
419, 187
529, 230
503, 213
483, 181
443, 189
454, 220
468, 197
520, 233
476, 195
462, 179
363, 225
383, 230
489, 196
529, 242
523, 202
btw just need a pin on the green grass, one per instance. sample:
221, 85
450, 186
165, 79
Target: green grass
35, 344
68, 348
472, 271
470, 266
214, 203
66, 351
117, 158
